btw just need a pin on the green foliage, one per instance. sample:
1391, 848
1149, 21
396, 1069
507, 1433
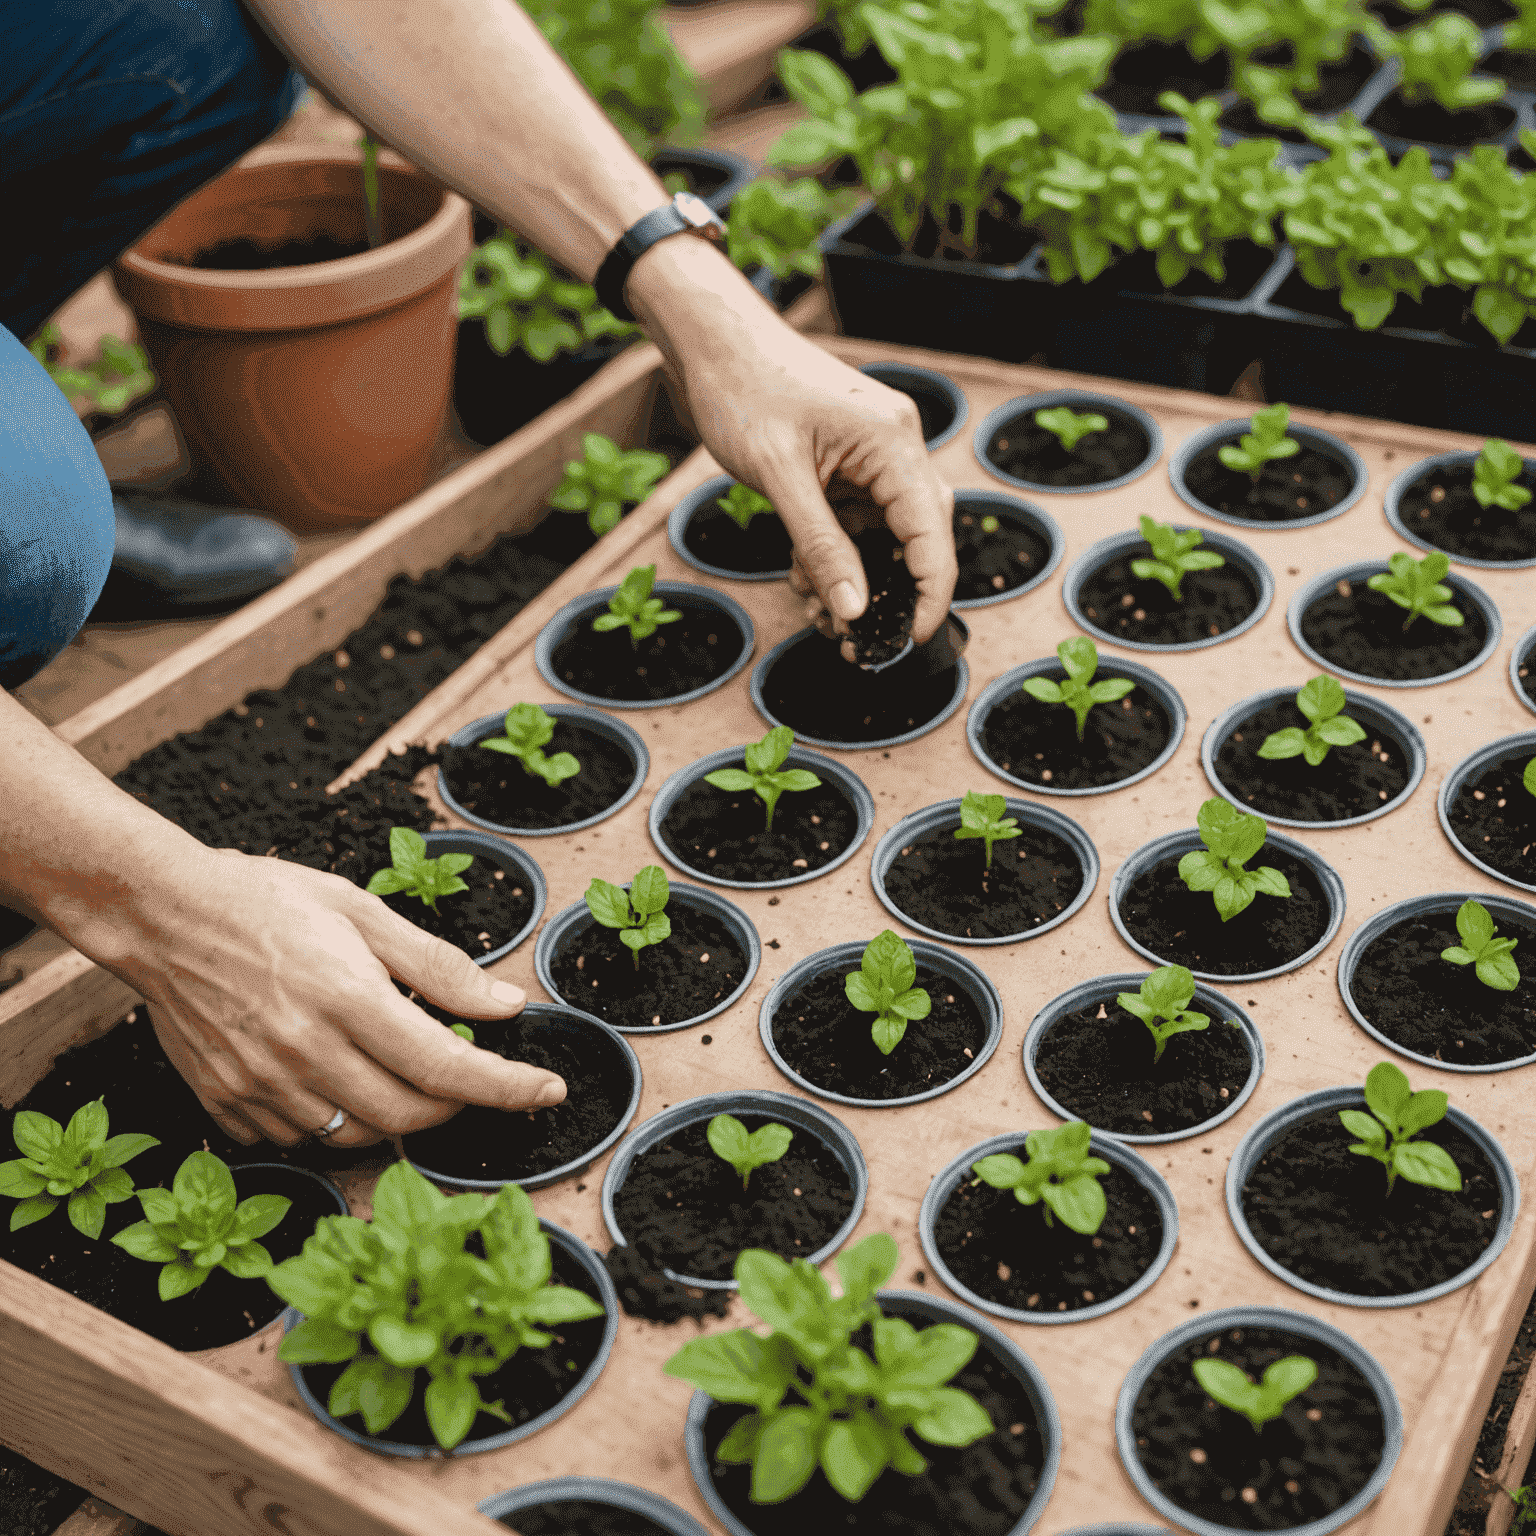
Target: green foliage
1068, 428
883, 986
1437, 58
1061, 1176
765, 774
849, 1413
464, 1032
1163, 1006
1416, 586
1231, 838
982, 816
528, 728
776, 224
730, 1140
639, 914
603, 480
1524, 1499
1174, 555
1077, 690
741, 504
1481, 949
403, 1293
110, 384
197, 1226
1265, 442
1528, 778
1258, 1402
1321, 701
1489, 245
1495, 476
414, 873
75, 1162
633, 608
1397, 1115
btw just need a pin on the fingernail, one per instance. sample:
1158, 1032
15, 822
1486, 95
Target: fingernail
505, 992
552, 1093
844, 601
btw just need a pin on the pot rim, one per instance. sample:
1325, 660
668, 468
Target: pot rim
1450, 786
802, 1114
1045, 399
1524, 652
940, 383
594, 1490
506, 855
1392, 503
682, 514
1015, 509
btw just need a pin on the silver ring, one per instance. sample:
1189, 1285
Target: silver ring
332, 1125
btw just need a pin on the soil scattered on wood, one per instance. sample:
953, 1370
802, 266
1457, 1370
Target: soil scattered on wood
1303, 485
686, 654
33, 1501
885, 626
1021, 448
1439, 508
1121, 606
1361, 631
1038, 742
1494, 817
997, 562
716, 538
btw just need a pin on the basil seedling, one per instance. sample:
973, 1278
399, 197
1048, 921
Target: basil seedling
982, 816
1162, 1005
1479, 948
1437, 59
528, 728
1060, 1176
604, 479
1495, 477
745, 1151
1321, 701
850, 1414
639, 914
1416, 586
464, 1032
414, 873
775, 224
883, 986
1174, 555
1068, 428
1078, 691
765, 775
1231, 838
1267, 441
633, 608
1258, 1402
741, 504
76, 1162
1397, 1114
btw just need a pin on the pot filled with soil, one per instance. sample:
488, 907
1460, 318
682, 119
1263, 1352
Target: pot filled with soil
1488, 810
1445, 133
1340, 622
1434, 504
1522, 669
706, 962
940, 402
1455, 1015
1343, 1227
824, 1043
1170, 609
588, 1506
499, 790
1090, 1058
1005, 547
984, 870
1087, 442
671, 1193
483, 1148
1036, 1263
728, 530
1200, 1464
1036, 745
1356, 781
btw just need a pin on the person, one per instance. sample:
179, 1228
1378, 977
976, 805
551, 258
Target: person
269, 983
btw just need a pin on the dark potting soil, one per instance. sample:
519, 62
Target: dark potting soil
247, 256
645, 1291
499, 789
1427, 1005
1324, 1213
1122, 606
942, 883
1182, 927
1029, 452
580, 1517
1427, 122
532, 1382
685, 1206
1361, 631
14, 927
828, 1042
1514, 66
718, 539
1096, 1062
1000, 241
1439, 508
33, 1501
885, 626
719, 832
1038, 742
685, 975
1485, 13
1337, 85
687, 654
1494, 817
1004, 1251
1299, 1467
995, 562
1140, 73
1303, 485
496, 907
1350, 781
978, 1490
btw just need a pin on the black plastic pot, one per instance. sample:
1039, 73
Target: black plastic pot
602, 1491
940, 401
495, 395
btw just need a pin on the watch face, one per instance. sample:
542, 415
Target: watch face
695, 211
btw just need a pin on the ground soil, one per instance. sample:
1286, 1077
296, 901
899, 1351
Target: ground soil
687, 654
1000, 242
1516, 67
645, 1291
1323, 1211
1096, 1062
1029, 452
1350, 781
494, 909
718, 539
248, 256
580, 1517
33, 1502
1140, 73
1038, 742
685, 1207
1361, 631
885, 626
1439, 508
1300, 1468
1495, 817
827, 1040
991, 563
1182, 927
1303, 485
1121, 606
1428, 122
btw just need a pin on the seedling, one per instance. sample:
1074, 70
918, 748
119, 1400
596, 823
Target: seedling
1480, 948
1060, 1176
1438, 57
415, 874
990, 524
633, 608
741, 504
1078, 691
639, 913
982, 816
527, 729
775, 224
1267, 441
196, 1227
1162, 1005
1068, 428
1174, 555
464, 1032
373, 224
765, 774
1397, 1114
1258, 1402
1321, 701
603, 481
1495, 477
1416, 586
1524, 1500
1528, 778
1231, 838
883, 986
402, 1293
850, 1413
76, 1162
111, 384
745, 1151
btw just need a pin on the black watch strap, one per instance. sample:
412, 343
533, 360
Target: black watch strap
685, 214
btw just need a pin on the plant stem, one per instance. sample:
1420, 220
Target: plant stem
371, 221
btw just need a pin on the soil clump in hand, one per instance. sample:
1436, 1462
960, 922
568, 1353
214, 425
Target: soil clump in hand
884, 629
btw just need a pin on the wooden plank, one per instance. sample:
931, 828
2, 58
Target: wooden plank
95, 1517
731, 44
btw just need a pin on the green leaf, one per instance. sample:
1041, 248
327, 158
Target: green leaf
25, 1212
404, 1200
402, 1343
204, 1184
317, 1342
926, 1359
247, 1261
732, 780
1422, 1162
144, 1242
388, 881
734, 1367
555, 1305
36, 1136
954, 1418
1365, 1127
18, 1181
451, 1403
650, 890
853, 1454
256, 1216
609, 904
87, 1211
179, 1279
87, 1126
119, 1149
867, 1265
787, 1453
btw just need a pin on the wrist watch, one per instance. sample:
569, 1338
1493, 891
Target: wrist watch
684, 215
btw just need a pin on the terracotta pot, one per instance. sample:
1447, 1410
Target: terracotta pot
319, 393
